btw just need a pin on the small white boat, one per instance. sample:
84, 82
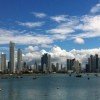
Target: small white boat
0, 89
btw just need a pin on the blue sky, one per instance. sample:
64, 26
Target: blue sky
48, 24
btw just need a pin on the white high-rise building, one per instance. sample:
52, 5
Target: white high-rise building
19, 61
3, 63
77, 66
12, 62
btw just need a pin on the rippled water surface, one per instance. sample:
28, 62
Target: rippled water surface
50, 87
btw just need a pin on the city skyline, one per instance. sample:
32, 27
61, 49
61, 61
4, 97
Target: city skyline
49, 49
16, 64
41, 27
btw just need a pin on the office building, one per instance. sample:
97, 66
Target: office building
93, 64
46, 63
3, 63
70, 63
19, 61
12, 62
77, 66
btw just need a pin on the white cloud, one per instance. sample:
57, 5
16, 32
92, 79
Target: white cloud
64, 28
5, 32
31, 24
79, 40
96, 8
89, 27
56, 53
59, 18
39, 15
59, 37
91, 23
60, 55
12, 35
45, 46
61, 31
32, 48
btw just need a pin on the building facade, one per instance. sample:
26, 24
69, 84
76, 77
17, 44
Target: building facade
46, 63
19, 61
3, 63
11, 59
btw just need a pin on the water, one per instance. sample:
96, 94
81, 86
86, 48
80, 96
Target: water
50, 87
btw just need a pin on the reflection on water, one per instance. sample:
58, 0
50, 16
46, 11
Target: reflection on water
51, 87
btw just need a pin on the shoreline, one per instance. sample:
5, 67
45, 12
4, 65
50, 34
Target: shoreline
88, 74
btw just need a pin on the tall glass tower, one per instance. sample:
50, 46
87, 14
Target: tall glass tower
19, 60
12, 62
3, 63
46, 62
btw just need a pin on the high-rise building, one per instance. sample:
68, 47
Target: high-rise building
77, 66
70, 63
0, 68
87, 68
12, 62
57, 67
46, 62
36, 66
3, 63
99, 64
93, 64
96, 63
19, 61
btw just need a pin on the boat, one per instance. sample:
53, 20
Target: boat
69, 74
19, 77
78, 75
88, 78
0, 89
96, 75
57, 87
34, 78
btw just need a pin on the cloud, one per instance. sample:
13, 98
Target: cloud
32, 49
5, 32
79, 41
96, 9
25, 38
57, 54
31, 24
89, 27
76, 29
65, 27
59, 37
59, 18
60, 55
91, 23
61, 30
39, 15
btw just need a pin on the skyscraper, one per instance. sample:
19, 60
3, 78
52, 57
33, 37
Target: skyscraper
57, 67
70, 63
46, 62
77, 66
36, 66
96, 63
3, 63
12, 62
19, 61
93, 64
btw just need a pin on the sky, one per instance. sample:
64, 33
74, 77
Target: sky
63, 28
